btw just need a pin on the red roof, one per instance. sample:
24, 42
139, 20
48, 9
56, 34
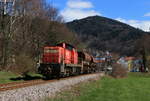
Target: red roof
129, 58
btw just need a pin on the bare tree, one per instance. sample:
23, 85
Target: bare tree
24, 32
143, 49
6, 19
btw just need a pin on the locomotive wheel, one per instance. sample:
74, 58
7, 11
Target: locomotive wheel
48, 73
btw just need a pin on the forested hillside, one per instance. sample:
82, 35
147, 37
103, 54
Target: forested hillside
102, 33
24, 32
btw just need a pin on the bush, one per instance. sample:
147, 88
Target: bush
24, 64
119, 71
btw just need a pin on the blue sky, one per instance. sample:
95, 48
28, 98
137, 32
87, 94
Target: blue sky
133, 12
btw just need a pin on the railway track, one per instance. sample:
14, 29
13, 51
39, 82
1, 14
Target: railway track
16, 85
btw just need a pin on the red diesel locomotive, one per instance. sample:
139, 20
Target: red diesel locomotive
64, 60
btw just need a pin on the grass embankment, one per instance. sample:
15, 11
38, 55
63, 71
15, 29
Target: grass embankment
134, 88
7, 77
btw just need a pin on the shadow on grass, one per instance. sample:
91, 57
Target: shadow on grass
26, 78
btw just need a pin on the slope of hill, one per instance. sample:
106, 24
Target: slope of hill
102, 33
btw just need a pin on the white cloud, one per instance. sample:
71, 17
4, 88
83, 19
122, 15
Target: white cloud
78, 9
71, 14
79, 4
147, 14
144, 25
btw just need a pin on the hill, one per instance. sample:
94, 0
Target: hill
101, 33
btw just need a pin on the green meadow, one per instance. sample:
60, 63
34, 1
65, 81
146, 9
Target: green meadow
136, 87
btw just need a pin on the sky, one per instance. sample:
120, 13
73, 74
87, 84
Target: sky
133, 12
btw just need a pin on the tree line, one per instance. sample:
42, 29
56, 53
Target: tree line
31, 25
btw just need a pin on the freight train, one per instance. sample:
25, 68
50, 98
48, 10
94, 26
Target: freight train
64, 60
